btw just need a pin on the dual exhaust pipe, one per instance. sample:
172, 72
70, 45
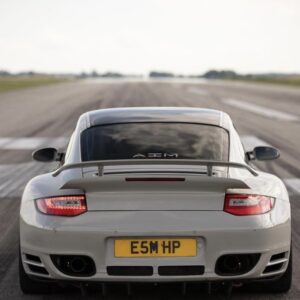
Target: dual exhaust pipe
84, 266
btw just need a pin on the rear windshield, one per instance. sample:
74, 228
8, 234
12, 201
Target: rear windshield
155, 140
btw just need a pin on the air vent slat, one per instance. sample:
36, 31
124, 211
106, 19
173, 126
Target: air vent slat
38, 270
276, 262
278, 256
33, 258
273, 268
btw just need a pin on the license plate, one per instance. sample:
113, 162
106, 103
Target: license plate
155, 247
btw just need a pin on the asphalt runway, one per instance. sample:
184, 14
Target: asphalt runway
44, 116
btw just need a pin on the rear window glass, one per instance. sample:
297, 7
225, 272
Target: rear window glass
154, 140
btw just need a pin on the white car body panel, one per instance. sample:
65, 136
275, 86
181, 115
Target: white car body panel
142, 210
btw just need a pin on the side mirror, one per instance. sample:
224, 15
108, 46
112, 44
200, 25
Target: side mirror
263, 153
47, 155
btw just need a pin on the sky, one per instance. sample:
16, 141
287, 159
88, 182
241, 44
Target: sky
136, 36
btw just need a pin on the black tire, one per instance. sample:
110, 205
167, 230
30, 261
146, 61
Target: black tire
31, 286
278, 285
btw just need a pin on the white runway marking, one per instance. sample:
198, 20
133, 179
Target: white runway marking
260, 110
197, 91
13, 177
31, 143
60, 142
252, 141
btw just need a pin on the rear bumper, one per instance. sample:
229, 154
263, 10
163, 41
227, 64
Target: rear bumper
217, 233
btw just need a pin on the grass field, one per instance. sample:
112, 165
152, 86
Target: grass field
288, 81
292, 81
10, 83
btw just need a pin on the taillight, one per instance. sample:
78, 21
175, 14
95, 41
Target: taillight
246, 205
67, 206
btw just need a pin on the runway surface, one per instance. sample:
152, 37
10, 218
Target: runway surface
45, 116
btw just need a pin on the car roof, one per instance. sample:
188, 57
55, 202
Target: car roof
154, 114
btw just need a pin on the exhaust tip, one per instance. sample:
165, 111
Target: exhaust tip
236, 264
74, 265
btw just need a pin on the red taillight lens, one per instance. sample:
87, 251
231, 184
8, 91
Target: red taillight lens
67, 206
246, 205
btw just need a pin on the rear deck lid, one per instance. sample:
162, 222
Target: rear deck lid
148, 192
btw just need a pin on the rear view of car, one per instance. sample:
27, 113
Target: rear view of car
155, 195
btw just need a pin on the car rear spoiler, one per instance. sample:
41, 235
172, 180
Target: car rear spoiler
100, 164
196, 183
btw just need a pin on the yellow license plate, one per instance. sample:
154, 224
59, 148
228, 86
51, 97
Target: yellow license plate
155, 247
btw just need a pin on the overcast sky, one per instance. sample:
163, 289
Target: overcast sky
136, 36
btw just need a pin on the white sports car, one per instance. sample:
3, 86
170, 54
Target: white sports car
155, 195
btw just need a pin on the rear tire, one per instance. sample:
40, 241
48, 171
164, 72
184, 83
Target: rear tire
30, 286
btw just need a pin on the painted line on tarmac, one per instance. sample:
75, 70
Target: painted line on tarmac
13, 177
261, 110
31, 143
28, 143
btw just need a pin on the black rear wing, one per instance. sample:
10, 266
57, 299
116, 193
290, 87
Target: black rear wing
100, 164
